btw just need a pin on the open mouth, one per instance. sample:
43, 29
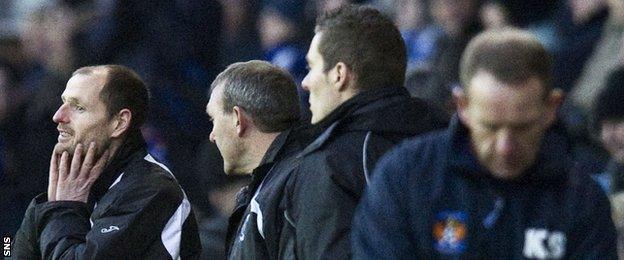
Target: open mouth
63, 136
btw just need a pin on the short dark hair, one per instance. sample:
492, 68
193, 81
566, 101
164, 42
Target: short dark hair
367, 42
123, 88
267, 93
610, 102
510, 55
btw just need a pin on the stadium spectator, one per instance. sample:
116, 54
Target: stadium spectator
460, 22
578, 29
107, 197
357, 69
280, 27
499, 182
419, 33
255, 112
604, 58
609, 114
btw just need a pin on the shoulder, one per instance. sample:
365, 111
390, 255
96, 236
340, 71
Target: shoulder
415, 162
333, 150
586, 190
148, 178
420, 149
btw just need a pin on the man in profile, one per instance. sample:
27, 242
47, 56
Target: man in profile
499, 182
357, 98
107, 197
254, 108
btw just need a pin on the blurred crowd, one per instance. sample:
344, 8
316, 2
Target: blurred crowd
179, 46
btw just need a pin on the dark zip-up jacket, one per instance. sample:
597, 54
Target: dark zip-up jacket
255, 226
135, 210
324, 190
431, 199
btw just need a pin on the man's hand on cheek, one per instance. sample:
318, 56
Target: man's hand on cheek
75, 178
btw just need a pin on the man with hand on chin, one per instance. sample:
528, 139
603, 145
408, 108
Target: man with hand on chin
75, 178
107, 197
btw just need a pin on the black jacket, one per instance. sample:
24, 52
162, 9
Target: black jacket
431, 199
135, 210
255, 226
326, 187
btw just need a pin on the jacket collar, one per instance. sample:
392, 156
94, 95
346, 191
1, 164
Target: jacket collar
288, 142
378, 110
276, 147
133, 148
363, 102
551, 165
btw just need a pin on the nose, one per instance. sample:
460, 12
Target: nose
60, 116
505, 143
212, 138
304, 83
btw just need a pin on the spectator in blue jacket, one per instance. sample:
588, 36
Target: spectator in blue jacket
498, 183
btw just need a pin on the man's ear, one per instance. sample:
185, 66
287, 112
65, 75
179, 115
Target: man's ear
341, 76
121, 122
554, 100
461, 103
240, 120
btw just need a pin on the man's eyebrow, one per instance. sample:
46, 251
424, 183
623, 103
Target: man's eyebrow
71, 100
68, 99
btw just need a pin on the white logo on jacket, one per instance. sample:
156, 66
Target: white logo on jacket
543, 244
109, 229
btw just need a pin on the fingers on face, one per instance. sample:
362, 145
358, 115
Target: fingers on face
63, 169
87, 165
54, 164
54, 169
53, 176
76, 162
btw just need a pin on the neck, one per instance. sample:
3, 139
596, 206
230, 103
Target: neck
113, 148
348, 93
125, 142
257, 147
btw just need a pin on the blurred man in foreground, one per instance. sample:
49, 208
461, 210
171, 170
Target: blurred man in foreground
499, 182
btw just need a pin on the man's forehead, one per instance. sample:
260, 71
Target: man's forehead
217, 92
83, 85
487, 87
215, 97
499, 101
313, 51
95, 79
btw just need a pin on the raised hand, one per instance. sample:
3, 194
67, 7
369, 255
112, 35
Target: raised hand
74, 180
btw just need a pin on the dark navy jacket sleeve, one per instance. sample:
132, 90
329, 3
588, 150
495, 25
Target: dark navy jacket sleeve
126, 230
596, 234
380, 226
